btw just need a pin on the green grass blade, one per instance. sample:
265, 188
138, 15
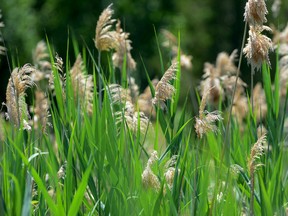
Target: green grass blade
77, 200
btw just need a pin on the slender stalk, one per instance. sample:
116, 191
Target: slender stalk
226, 139
252, 86
251, 213
99, 79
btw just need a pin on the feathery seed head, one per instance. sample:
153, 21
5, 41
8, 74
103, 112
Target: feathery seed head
41, 111
164, 90
255, 12
149, 179
19, 81
258, 47
225, 64
123, 48
105, 39
256, 151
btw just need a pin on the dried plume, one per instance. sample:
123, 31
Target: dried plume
240, 106
170, 171
41, 62
260, 104
105, 38
258, 47
256, 151
123, 49
164, 90
19, 81
82, 85
253, 163
205, 122
41, 111
255, 12
215, 76
149, 179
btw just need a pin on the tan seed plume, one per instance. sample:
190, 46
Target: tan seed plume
149, 179
258, 47
105, 38
123, 49
255, 12
82, 85
19, 81
164, 90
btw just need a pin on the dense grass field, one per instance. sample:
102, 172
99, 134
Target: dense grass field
78, 136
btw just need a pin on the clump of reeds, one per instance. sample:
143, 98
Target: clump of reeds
20, 80
205, 122
82, 85
253, 163
164, 90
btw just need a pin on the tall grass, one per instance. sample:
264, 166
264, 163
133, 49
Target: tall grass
92, 163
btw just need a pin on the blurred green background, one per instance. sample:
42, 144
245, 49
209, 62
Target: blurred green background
207, 27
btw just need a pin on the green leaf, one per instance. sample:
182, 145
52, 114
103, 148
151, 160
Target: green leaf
77, 200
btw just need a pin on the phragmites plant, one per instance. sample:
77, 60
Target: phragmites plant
258, 45
205, 122
164, 90
123, 48
20, 80
105, 38
82, 85
253, 163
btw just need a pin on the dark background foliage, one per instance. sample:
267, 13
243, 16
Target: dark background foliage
207, 27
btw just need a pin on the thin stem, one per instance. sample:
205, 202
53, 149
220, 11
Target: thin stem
252, 193
252, 86
226, 139
99, 78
